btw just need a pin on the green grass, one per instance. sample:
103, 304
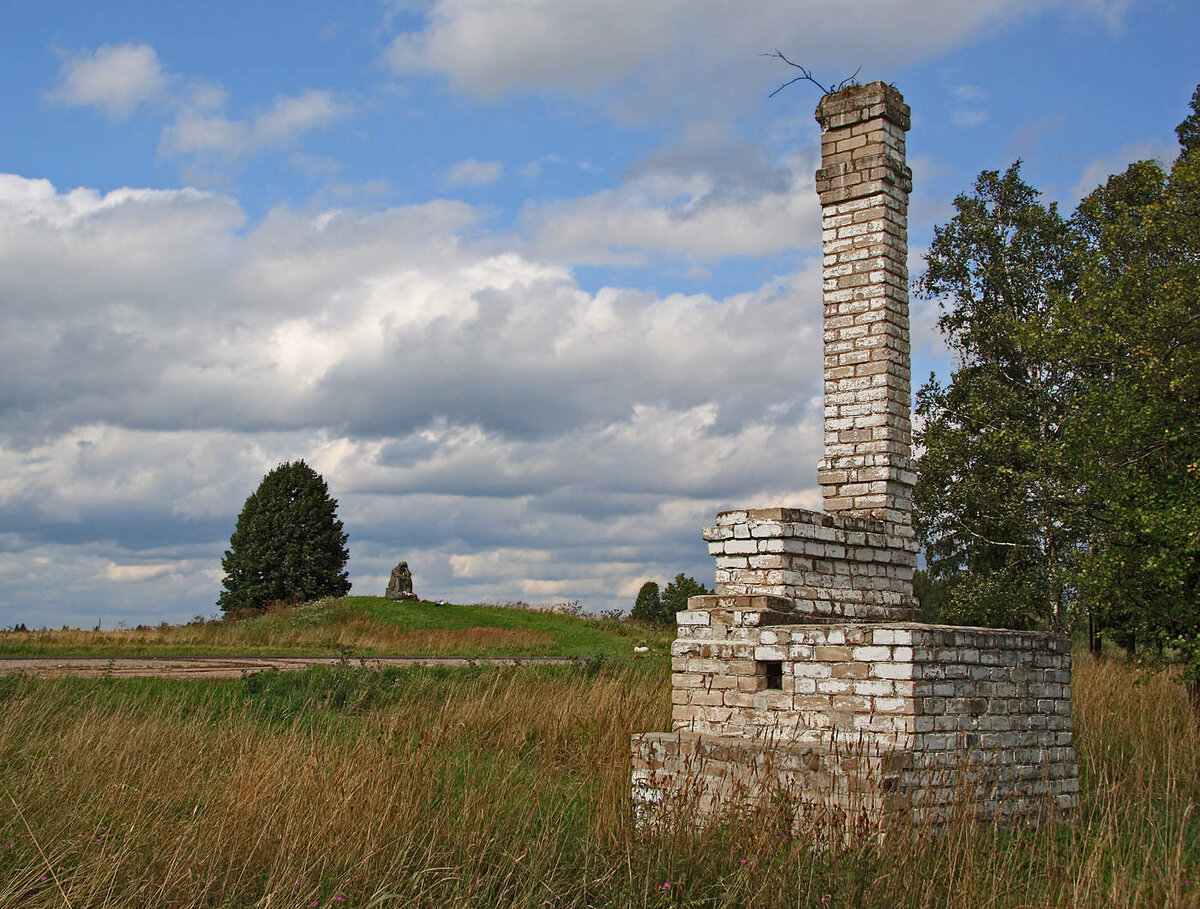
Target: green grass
359, 626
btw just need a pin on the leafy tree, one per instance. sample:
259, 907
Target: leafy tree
992, 508
1062, 462
931, 596
675, 595
660, 608
288, 545
648, 606
1136, 435
1189, 130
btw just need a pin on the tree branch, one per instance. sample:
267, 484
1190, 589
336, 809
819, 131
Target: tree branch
807, 76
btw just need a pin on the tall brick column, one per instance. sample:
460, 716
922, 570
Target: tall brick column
806, 673
863, 184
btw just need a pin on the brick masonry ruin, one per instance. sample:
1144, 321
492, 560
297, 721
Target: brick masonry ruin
805, 677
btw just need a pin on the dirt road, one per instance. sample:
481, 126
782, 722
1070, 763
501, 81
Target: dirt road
228, 667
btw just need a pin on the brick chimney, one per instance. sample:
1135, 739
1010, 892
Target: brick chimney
863, 185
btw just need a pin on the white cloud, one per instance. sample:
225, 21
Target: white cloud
198, 131
460, 400
708, 197
288, 117
115, 78
474, 173
124, 574
673, 53
968, 108
1099, 170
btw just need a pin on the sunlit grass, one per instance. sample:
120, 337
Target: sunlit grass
493, 787
359, 625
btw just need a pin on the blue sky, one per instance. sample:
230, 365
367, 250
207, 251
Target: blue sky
533, 283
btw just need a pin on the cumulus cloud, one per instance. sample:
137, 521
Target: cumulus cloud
469, 406
474, 173
115, 78
119, 78
709, 196
662, 47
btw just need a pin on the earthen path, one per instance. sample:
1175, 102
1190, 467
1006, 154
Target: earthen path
230, 667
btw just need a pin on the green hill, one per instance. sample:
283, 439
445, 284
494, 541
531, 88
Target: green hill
360, 626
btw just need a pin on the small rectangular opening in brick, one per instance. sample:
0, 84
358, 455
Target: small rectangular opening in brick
771, 672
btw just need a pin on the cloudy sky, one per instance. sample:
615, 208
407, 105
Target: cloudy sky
534, 284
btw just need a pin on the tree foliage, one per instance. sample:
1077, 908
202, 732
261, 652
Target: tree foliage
648, 605
1137, 437
990, 507
288, 545
676, 594
1061, 471
659, 608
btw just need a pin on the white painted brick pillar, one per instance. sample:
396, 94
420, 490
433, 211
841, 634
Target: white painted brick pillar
863, 184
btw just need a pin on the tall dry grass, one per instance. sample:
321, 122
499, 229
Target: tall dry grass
511, 787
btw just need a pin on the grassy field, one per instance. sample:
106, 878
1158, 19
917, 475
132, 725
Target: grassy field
359, 625
341, 787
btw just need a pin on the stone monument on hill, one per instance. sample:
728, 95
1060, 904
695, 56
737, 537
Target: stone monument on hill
805, 674
400, 584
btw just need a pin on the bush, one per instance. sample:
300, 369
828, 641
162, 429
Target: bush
288, 545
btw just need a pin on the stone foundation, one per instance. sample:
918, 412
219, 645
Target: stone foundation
887, 720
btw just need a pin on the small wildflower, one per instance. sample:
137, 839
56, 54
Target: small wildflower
666, 885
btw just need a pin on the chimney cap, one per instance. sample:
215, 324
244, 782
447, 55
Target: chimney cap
857, 103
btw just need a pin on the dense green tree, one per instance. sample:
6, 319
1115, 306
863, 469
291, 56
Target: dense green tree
288, 545
1062, 462
1135, 435
659, 608
931, 597
648, 605
675, 595
992, 509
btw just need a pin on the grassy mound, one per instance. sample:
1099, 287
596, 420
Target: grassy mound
359, 626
